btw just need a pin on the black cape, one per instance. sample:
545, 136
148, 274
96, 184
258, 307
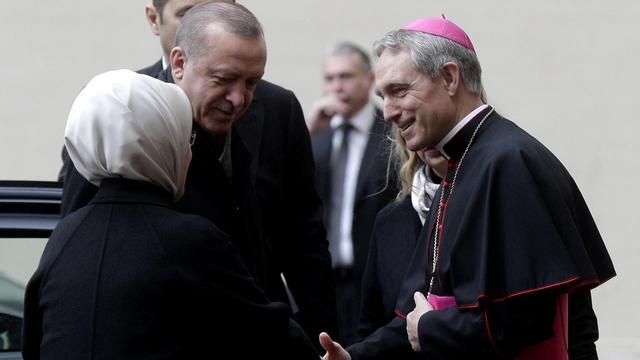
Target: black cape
515, 228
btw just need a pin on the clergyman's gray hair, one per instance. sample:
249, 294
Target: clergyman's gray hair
429, 53
233, 17
347, 48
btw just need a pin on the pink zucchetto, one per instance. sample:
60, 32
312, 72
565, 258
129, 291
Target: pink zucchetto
441, 27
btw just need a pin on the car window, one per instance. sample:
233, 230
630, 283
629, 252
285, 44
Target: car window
18, 260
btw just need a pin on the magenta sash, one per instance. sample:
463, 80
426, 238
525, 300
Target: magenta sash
441, 302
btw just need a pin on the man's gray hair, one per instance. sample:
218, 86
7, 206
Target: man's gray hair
429, 53
349, 48
233, 17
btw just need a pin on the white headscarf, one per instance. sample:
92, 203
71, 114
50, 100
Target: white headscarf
132, 126
423, 190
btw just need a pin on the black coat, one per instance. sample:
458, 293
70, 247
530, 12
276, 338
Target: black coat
398, 238
286, 212
506, 265
127, 277
395, 235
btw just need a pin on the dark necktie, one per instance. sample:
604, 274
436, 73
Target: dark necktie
338, 172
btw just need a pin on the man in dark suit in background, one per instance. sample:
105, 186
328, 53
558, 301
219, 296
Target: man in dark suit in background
275, 205
351, 153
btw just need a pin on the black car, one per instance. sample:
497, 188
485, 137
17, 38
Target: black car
29, 210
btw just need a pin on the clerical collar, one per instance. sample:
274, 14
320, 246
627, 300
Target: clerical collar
449, 146
165, 63
361, 121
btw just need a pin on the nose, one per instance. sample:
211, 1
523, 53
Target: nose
390, 111
236, 95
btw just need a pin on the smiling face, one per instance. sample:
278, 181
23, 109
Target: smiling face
422, 108
221, 81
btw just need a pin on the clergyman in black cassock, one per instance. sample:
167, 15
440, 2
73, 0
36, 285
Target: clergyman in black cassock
510, 235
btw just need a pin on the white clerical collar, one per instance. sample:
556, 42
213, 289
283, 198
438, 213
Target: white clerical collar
165, 63
457, 128
361, 121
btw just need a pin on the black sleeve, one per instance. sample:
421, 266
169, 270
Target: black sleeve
499, 329
76, 191
307, 265
387, 342
583, 327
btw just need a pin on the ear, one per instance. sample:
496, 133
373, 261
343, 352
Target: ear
178, 61
452, 78
153, 18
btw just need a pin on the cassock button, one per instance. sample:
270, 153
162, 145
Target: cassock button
446, 184
451, 165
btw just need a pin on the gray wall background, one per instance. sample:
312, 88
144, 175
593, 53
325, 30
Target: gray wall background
566, 71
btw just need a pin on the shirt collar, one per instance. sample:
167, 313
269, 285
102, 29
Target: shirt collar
461, 124
361, 121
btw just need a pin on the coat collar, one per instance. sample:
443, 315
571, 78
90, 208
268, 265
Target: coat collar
459, 137
131, 191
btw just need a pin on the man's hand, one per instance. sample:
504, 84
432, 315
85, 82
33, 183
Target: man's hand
334, 350
422, 307
322, 112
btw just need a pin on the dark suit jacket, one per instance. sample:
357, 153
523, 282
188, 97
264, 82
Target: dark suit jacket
127, 277
372, 191
289, 217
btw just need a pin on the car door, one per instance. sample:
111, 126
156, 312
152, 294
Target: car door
29, 210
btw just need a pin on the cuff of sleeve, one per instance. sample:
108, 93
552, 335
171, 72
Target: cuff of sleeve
423, 329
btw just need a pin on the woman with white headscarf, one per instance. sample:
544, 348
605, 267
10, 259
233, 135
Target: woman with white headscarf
128, 277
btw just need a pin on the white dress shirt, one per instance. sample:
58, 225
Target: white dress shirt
362, 123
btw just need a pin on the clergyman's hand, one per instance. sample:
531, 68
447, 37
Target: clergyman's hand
334, 350
413, 318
